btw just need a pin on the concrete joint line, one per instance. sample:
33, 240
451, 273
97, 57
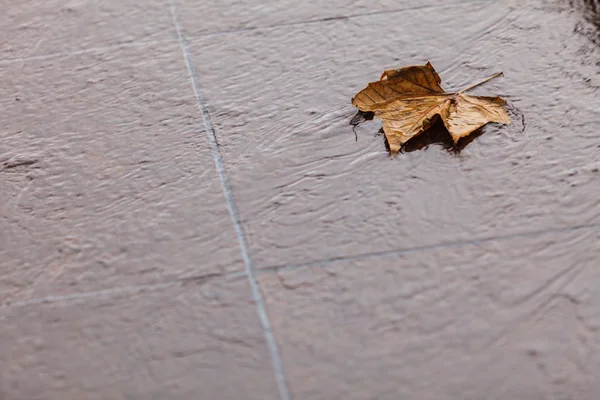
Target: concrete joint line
101, 49
233, 211
115, 291
421, 249
236, 30
119, 290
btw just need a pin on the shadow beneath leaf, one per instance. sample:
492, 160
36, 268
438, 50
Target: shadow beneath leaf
437, 134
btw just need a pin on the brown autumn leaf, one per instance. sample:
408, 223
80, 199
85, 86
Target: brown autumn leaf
408, 100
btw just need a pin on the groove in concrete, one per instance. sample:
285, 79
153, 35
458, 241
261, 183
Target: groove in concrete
233, 211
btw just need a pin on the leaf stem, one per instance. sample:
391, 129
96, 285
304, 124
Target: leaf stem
482, 82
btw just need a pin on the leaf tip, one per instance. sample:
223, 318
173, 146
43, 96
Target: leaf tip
394, 149
437, 77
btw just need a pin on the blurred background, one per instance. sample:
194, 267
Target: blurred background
185, 212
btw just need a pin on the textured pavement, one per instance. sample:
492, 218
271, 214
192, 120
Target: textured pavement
185, 214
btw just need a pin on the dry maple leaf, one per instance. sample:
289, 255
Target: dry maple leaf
408, 100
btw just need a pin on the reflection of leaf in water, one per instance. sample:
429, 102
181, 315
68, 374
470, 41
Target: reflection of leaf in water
410, 100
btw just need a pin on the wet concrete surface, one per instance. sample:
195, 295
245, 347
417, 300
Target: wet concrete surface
141, 258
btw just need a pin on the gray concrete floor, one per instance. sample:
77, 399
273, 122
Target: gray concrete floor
184, 212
